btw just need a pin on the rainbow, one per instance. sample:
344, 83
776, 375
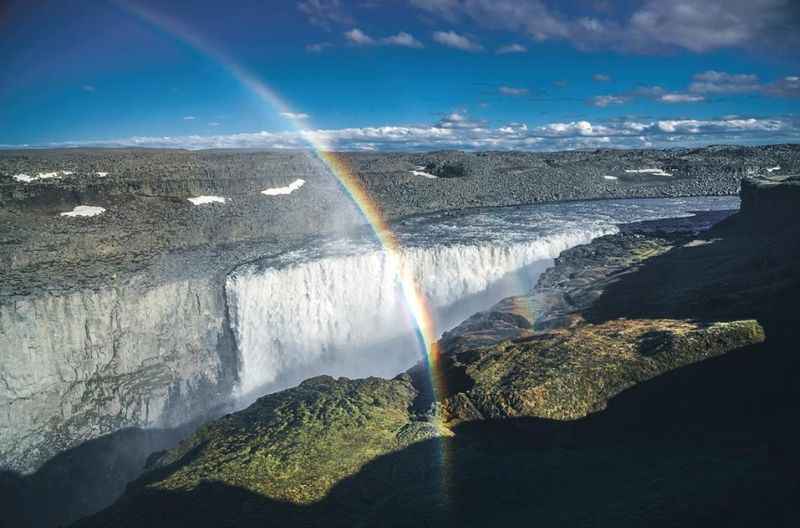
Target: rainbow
348, 181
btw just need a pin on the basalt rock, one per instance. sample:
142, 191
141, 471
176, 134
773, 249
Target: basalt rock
569, 374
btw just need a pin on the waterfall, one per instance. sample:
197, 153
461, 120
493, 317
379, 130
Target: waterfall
336, 308
344, 314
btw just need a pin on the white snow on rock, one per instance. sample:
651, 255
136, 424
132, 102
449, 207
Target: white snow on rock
201, 200
420, 171
41, 176
102, 174
67, 173
289, 189
610, 178
654, 172
84, 210
776, 167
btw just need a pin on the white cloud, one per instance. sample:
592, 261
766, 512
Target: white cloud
601, 77
510, 90
652, 25
603, 101
511, 48
787, 87
457, 131
402, 39
681, 98
318, 47
358, 37
324, 13
716, 82
452, 39
189, 118
88, 88
294, 115
213, 124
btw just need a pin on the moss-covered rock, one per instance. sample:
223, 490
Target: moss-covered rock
296, 444
571, 373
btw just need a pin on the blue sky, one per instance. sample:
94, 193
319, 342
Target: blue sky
402, 74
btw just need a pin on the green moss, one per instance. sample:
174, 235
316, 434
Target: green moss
571, 373
296, 444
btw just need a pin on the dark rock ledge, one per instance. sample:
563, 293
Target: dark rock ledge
527, 380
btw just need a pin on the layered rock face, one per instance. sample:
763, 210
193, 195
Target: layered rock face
87, 363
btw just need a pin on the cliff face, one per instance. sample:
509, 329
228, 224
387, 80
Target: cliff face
771, 202
87, 363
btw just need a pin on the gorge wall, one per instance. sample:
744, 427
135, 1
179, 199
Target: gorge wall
87, 363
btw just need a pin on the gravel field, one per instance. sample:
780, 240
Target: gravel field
150, 225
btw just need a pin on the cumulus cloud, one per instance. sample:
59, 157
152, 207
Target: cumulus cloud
601, 77
456, 130
458, 119
654, 93
511, 48
402, 39
510, 90
652, 25
358, 37
452, 39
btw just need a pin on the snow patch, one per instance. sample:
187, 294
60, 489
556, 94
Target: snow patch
420, 171
41, 176
654, 172
610, 178
289, 189
776, 167
84, 210
200, 200
101, 174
